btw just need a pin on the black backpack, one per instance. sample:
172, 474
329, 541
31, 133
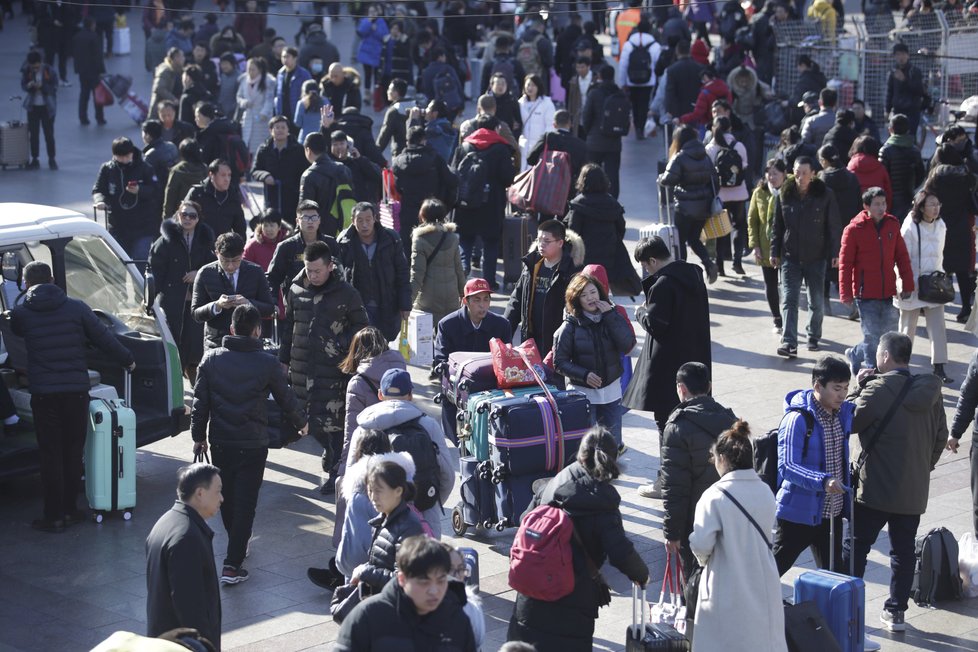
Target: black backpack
473, 179
936, 576
640, 64
447, 90
410, 437
616, 115
729, 165
766, 449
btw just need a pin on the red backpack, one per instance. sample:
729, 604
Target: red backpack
541, 563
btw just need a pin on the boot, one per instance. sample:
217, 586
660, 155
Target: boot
940, 373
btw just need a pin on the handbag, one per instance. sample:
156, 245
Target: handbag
669, 610
933, 287
717, 226
512, 364
390, 205
102, 94
344, 599
716, 206
545, 186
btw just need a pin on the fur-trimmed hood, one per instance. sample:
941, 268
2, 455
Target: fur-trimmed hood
432, 227
573, 244
742, 81
789, 190
172, 232
355, 480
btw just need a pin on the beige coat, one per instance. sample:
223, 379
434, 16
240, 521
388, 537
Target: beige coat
437, 279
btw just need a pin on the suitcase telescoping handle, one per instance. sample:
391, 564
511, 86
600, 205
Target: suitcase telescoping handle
852, 534
638, 604
127, 387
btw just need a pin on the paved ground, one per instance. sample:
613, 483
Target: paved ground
68, 592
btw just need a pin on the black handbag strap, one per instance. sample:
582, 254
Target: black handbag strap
747, 514
434, 252
883, 423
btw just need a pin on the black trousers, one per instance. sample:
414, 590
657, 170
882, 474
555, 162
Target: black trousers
59, 42
87, 86
902, 529
738, 217
771, 292
640, 96
61, 423
974, 480
966, 286
791, 539
242, 471
39, 118
689, 235
610, 162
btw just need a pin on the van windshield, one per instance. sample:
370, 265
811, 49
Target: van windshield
94, 274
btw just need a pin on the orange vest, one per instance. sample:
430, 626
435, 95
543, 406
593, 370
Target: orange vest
626, 21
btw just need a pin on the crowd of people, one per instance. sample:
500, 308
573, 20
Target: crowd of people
360, 226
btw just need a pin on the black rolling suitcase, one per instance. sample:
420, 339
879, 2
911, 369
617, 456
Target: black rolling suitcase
642, 636
519, 232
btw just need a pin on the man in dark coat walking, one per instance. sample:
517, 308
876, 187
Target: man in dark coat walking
420, 173
676, 317
279, 164
86, 47
181, 578
57, 331
602, 148
220, 200
902, 160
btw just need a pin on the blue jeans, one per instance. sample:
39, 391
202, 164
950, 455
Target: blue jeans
490, 251
792, 274
609, 416
876, 316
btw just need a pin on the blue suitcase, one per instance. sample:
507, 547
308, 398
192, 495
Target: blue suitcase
513, 495
110, 456
475, 420
523, 433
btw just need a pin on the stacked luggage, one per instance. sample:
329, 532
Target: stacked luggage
508, 439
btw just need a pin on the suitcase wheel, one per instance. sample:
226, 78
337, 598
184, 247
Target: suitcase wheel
127, 515
438, 398
98, 517
488, 525
500, 526
459, 526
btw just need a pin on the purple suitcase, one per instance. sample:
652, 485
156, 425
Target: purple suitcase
466, 373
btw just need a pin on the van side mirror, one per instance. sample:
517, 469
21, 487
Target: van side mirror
149, 290
11, 267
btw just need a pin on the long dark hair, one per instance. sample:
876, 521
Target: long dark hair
682, 136
262, 71
721, 127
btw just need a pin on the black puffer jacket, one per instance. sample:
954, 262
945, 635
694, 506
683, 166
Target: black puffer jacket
210, 143
286, 167
568, 624
583, 346
319, 183
320, 323
384, 281
687, 471
287, 261
806, 228
692, 174
56, 332
600, 221
221, 211
232, 384
390, 621
592, 115
955, 186
389, 532
848, 194
902, 161
211, 283
419, 173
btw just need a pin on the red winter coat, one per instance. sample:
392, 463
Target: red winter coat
868, 256
702, 113
260, 251
871, 173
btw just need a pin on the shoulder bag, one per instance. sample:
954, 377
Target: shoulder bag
934, 287
718, 224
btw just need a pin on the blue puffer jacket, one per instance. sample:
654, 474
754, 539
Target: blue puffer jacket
56, 331
801, 496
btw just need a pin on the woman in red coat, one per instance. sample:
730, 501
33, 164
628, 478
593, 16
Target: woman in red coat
261, 248
865, 164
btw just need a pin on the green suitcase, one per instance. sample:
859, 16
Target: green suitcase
474, 429
110, 456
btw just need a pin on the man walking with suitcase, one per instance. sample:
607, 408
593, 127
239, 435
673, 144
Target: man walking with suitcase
902, 430
57, 331
233, 382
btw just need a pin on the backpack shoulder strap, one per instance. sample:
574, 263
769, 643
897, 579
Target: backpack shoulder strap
809, 426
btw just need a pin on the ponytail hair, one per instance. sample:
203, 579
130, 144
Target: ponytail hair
598, 454
735, 447
394, 475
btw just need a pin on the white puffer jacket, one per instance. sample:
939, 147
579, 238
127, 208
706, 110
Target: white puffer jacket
928, 257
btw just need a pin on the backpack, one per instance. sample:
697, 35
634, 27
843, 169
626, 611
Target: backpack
473, 179
410, 437
640, 64
732, 17
729, 165
541, 562
505, 67
528, 54
936, 576
744, 37
235, 151
766, 450
616, 115
447, 90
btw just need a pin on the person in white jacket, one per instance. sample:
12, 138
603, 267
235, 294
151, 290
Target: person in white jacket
739, 589
924, 232
537, 112
734, 197
395, 408
638, 76
256, 102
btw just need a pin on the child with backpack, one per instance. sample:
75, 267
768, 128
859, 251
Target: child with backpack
729, 156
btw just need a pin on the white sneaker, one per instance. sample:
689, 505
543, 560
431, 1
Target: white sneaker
869, 645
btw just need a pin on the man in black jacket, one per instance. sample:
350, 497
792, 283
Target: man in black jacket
322, 314
279, 164
682, 82
57, 331
393, 130
687, 471
233, 383
340, 90
219, 200
287, 260
86, 47
419, 173
562, 140
901, 158
324, 183
358, 127
374, 261
602, 148
365, 174
905, 89
225, 284
181, 578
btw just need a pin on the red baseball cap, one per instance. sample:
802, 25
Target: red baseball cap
476, 286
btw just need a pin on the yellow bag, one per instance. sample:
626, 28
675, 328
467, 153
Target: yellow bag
403, 347
717, 226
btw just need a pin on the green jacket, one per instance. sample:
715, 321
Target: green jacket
760, 217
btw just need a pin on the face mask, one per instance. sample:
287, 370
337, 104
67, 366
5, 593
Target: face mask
316, 68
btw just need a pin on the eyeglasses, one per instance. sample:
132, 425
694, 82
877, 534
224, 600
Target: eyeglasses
309, 218
188, 214
544, 242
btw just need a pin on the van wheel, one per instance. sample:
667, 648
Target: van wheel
459, 526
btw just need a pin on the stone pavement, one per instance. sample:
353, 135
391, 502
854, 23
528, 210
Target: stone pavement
71, 591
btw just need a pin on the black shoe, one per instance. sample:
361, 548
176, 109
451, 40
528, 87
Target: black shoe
48, 525
738, 269
712, 271
325, 578
788, 351
477, 262
722, 272
940, 373
76, 517
34, 165
329, 487
100, 123
812, 345
962, 317
84, 122
52, 164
